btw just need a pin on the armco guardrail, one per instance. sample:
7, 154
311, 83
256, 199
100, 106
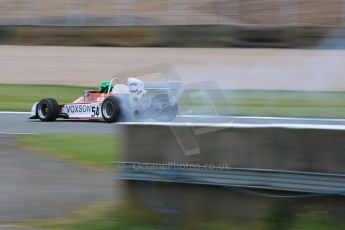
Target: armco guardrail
317, 183
232, 173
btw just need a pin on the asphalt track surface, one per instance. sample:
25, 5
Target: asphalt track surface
35, 186
18, 123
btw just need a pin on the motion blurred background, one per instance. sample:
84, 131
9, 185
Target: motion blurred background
212, 23
240, 57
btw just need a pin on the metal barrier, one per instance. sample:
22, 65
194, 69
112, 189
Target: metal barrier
231, 172
316, 183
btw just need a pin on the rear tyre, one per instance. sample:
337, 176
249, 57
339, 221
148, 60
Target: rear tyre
48, 109
111, 109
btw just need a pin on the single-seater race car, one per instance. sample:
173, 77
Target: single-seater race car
116, 102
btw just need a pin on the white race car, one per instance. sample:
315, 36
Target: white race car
116, 102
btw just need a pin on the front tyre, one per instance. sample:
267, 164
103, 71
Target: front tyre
48, 109
111, 109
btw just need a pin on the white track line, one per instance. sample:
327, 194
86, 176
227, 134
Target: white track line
230, 124
224, 117
239, 125
10, 112
9, 133
260, 118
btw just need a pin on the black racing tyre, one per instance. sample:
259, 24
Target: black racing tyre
47, 109
161, 108
111, 109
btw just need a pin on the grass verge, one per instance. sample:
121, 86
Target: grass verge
103, 216
226, 102
95, 151
22, 97
265, 103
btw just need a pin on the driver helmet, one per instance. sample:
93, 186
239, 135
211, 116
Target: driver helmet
104, 86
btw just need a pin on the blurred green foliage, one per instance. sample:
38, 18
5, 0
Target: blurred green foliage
112, 216
173, 36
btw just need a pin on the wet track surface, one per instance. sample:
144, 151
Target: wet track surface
18, 123
13, 123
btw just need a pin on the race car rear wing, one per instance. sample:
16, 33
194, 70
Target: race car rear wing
138, 88
168, 85
170, 79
